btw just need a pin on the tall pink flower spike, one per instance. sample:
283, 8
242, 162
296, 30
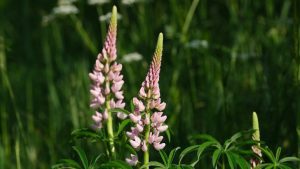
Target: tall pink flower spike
107, 80
148, 116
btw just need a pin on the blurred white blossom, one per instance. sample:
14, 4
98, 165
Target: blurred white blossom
97, 2
106, 17
197, 43
64, 7
131, 57
130, 2
65, 10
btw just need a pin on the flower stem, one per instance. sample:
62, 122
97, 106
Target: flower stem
147, 132
110, 130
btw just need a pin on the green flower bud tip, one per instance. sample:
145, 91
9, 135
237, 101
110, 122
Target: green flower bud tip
113, 19
159, 49
256, 134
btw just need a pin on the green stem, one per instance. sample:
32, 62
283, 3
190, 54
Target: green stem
109, 127
147, 132
223, 162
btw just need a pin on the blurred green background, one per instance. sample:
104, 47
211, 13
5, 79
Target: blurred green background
223, 59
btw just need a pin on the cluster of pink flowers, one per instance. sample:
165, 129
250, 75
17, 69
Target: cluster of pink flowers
148, 109
107, 79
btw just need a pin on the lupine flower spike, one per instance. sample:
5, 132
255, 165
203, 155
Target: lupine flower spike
148, 116
107, 82
256, 137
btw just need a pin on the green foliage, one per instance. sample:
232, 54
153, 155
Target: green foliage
168, 161
232, 153
85, 164
274, 161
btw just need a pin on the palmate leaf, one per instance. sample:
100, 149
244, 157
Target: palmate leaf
82, 156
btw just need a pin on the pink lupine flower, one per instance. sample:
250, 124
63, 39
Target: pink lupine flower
136, 142
148, 116
159, 146
97, 117
107, 80
133, 160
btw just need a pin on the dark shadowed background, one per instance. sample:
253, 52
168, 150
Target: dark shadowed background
223, 59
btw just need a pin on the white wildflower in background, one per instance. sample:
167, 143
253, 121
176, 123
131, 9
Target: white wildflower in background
129, 2
65, 10
132, 57
65, 7
97, 2
197, 43
106, 17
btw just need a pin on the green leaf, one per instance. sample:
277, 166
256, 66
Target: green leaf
278, 151
289, 159
123, 124
117, 164
172, 155
153, 164
284, 166
205, 137
216, 156
130, 149
184, 166
241, 161
168, 135
85, 133
186, 151
264, 165
230, 159
202, 147
163, 156
116, 110
96, 159
82, 156
268, 153
131, 106
66, 162
235, 137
